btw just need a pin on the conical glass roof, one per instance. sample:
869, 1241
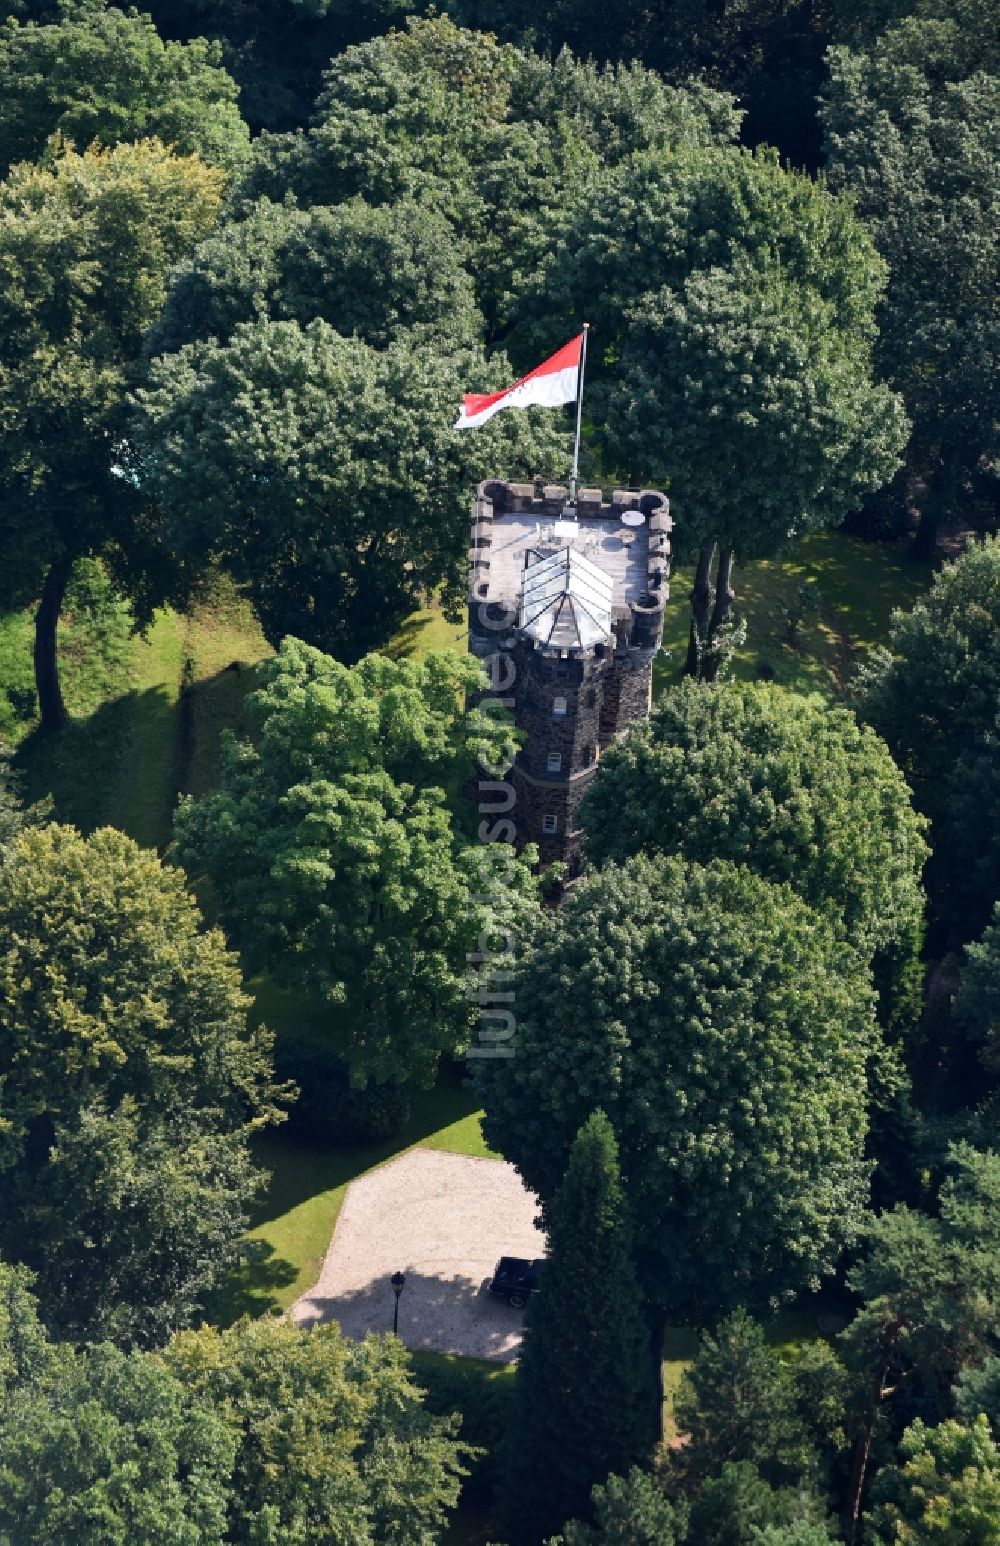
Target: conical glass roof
566, 601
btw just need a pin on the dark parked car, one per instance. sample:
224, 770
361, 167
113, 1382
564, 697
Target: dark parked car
515, 1280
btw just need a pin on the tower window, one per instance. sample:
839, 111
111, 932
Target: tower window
559, 705
554, 762
588, 755
550, 824
591, 698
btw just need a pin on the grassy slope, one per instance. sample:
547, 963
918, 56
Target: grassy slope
147, 731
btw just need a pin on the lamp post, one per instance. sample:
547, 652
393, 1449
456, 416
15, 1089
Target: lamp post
398, 1281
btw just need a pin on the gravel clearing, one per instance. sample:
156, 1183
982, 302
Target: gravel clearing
442, 1219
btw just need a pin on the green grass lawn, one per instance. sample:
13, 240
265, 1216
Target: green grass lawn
144, 725
858, 585
146, 714
295, 1218
426, 629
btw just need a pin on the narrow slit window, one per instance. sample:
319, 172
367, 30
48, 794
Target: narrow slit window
555, 762
559, 706
550, 824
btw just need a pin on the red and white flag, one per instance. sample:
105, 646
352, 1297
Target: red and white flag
550, 384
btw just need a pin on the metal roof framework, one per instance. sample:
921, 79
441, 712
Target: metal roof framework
566, 600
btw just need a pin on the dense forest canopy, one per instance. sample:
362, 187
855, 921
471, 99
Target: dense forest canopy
251, 924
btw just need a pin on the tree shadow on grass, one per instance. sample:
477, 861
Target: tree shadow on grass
250, 1289
125, 765
92, 773
406, 639
300, 1170
209, 706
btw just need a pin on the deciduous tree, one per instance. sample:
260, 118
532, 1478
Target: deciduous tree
111, 1447
332, 1439
325, 473
333, 855
725, 1031
793, 789
104, 74
910, 125
86, 243
131, 1086
944, 1492
734, 300
367, 271
25, 1351
933, 695
489, 136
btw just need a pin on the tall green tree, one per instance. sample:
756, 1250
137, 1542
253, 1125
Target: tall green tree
324, 473
366, 270
944, 1492
489, 136
930, 1291
333, 853
978, 1002
131, 1086
585, 1399
934, 696
770, 59
332, 1439
276, 52
628, 1510
734, 300
737, 1507
104, 73
26, 1353
977, 1391
725, 1031
910, 124
110, 1447
86, 243
741, 1401
802, 1532
793, 789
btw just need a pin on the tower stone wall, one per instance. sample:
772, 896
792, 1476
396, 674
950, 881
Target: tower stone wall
575, 668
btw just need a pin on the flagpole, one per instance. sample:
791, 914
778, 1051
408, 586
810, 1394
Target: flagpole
574, 475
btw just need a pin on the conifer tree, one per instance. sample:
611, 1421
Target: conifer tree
584, 1405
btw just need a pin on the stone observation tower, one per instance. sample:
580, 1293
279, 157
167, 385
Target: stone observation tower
566, 612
